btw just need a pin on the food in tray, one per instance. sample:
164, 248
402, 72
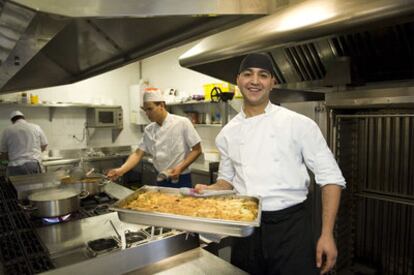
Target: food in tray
223, 207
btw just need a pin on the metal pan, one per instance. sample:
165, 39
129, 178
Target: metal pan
187, 223
55, 202
92, 184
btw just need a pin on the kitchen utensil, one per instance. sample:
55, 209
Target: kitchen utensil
92, 185
205, 193
165, 175
55, 202
90, 172
77, 173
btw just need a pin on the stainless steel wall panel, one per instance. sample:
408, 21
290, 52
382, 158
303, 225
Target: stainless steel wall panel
376, 150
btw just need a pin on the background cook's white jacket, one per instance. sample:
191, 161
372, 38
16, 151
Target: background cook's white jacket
22, 141
265, 156
169, 143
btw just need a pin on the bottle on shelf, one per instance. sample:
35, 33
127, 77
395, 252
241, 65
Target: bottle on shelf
24, 99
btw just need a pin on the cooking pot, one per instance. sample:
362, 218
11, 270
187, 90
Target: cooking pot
55, 202
93, 184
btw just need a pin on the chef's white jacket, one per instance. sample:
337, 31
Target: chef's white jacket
22, 141
267, 156
169, 143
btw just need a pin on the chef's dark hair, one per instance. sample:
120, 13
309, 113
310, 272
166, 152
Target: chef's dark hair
16, 118
257, 60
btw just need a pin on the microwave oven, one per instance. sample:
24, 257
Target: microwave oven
104, 117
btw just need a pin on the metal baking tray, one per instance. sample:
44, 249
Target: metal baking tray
186, 223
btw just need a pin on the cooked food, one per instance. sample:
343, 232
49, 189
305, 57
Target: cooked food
67, 180
91, 180
223, 207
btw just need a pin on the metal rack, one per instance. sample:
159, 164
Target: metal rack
375, 149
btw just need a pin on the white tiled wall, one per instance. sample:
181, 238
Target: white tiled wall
162, 71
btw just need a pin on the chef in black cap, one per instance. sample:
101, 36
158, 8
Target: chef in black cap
265, 151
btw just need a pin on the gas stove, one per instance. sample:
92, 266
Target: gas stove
89, 207
131, 238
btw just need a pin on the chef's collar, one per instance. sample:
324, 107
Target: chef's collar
267, 110
166, 120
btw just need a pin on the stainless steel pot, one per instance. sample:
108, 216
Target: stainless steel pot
92, 185
55, 202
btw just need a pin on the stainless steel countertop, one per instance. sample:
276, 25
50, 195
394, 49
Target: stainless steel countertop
195, 261
63, 238
67, 246
25, 184
116, 191
86, 159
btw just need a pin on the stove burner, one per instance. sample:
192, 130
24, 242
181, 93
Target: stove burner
103, 245
56, 219
102, 209
134, 237
155, 230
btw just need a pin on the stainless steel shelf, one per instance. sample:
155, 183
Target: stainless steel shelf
208, 125
53, 106
190, 103
58, 105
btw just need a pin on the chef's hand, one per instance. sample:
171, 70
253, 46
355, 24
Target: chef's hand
114, 173
199, 188
174, 173
326, 253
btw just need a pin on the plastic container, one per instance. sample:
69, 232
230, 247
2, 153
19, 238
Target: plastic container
34, 99
24, 99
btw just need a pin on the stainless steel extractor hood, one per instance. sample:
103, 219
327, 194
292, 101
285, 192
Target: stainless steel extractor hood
317, 44
45, 43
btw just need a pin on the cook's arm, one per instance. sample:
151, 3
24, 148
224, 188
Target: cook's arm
190, 158
331, 194
131, 162
43, 147
219, 185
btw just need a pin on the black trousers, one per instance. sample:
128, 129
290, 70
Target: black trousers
283, 245
28, 168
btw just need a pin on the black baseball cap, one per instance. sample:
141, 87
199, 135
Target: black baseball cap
257, 60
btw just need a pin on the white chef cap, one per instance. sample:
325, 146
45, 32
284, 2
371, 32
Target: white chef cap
153, 95
15, 113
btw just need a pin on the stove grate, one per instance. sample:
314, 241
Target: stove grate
10, 247
31, 243
17, 268
12, 206
40, 263
3, 209
20, 220
6, 225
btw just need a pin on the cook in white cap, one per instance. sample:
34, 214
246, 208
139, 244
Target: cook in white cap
171, 140
22, 144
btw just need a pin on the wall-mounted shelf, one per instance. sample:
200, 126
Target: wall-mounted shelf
208, 125
52, 106
189, 103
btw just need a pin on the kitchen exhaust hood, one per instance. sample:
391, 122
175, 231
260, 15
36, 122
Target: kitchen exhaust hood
319, 44
45, 43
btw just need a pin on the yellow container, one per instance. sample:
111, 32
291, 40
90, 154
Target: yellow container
224, 87
34, 99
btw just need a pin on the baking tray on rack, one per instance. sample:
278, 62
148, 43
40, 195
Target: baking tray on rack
186, 223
